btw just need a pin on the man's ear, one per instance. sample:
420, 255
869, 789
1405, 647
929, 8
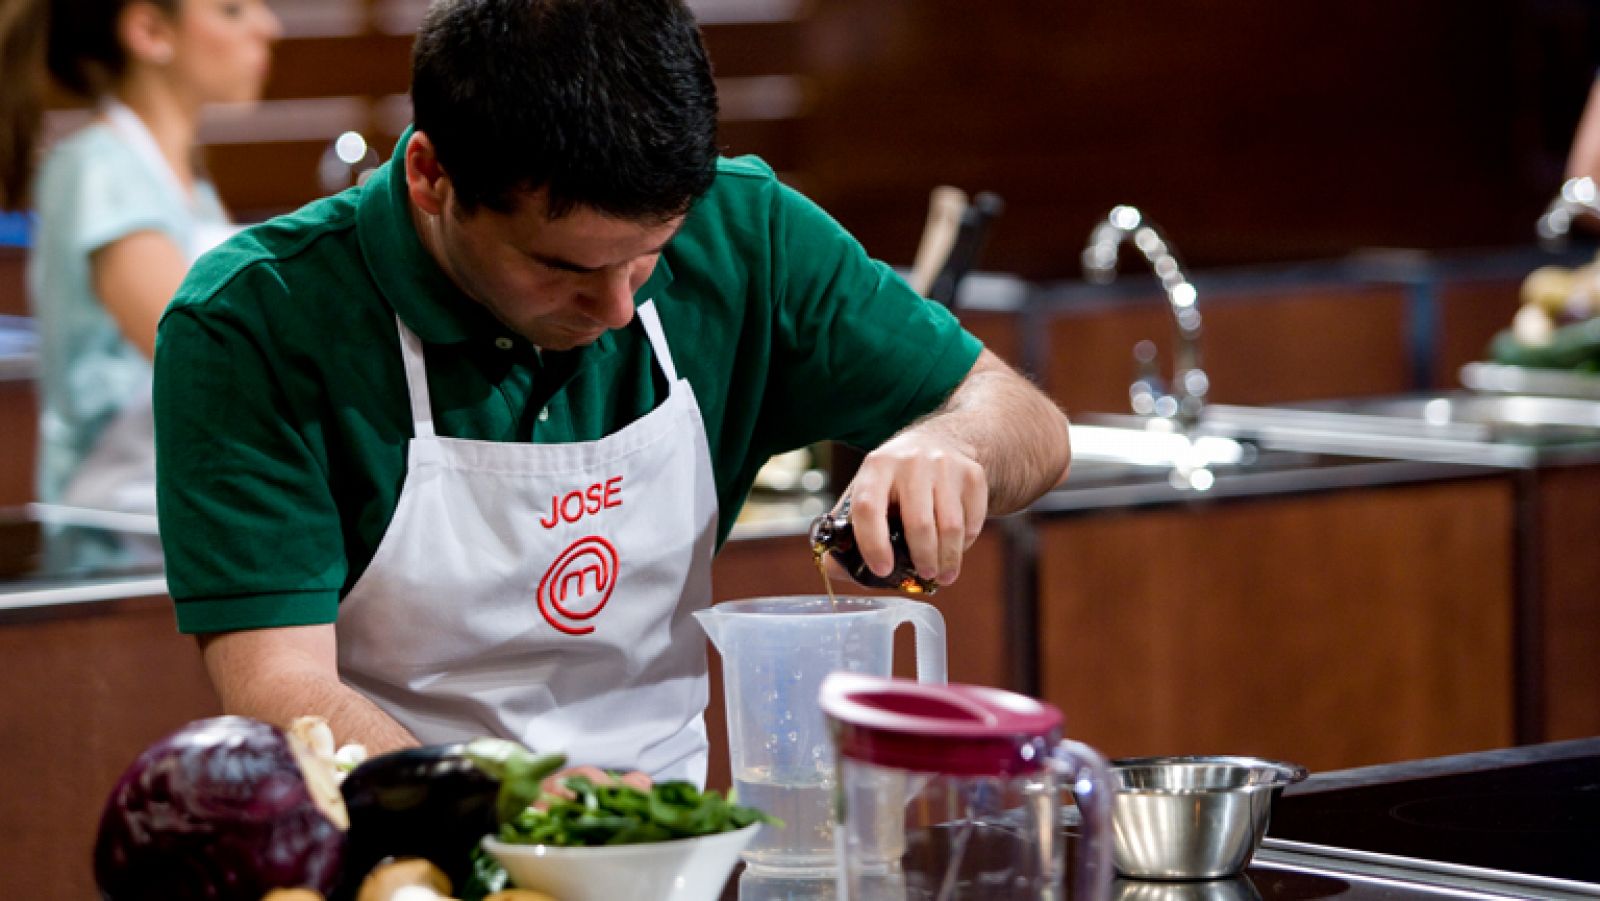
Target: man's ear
148, 33
426, 182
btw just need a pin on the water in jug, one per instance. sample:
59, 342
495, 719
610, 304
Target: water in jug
775, 653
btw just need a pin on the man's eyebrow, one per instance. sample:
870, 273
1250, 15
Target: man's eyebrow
559, 263
567, 265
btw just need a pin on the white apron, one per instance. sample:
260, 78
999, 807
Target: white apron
543, 592
119, 472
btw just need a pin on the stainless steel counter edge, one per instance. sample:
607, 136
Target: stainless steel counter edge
1470, 762
87, 592
19, 361
1448, 880
1257, 484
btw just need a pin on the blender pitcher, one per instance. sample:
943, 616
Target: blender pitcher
775, 653
953, 792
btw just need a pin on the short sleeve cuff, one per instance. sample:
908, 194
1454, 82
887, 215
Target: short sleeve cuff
256, 611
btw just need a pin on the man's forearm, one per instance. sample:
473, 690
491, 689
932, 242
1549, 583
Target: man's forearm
277, 675
1015, 432
352, 717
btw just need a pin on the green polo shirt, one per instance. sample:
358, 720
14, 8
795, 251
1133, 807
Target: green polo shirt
282, 415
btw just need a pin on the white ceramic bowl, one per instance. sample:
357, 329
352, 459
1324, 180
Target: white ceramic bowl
687, 869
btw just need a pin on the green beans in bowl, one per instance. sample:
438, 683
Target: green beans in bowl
616, 841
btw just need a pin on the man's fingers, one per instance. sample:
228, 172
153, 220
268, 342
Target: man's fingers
869, 507
914, 494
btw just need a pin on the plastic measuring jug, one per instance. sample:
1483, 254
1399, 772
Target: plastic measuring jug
775, 653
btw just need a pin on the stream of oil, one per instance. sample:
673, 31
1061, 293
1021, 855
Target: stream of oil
818, 552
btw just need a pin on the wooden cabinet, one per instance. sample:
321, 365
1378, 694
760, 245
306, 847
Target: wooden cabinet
1334, 630
19, 429
1562, 538
87, 688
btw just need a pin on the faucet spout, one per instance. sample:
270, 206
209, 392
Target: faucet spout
1189, 381
1577, 197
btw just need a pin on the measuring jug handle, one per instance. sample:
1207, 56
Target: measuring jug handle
1086, 772
928, 631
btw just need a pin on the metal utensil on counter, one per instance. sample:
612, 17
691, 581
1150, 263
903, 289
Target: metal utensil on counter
1192, 817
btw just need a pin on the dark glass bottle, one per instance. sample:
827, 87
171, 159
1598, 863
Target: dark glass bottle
832, 533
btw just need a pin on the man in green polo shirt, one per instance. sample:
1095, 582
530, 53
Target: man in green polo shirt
449, 454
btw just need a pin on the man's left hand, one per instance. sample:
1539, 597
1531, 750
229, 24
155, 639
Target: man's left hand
940, 491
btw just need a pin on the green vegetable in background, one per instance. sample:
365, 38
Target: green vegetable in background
623, 815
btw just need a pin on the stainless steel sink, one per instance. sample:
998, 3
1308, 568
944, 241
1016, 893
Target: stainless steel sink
1504, 430
1136, 445
1122, 461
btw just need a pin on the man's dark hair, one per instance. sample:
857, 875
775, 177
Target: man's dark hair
607, 103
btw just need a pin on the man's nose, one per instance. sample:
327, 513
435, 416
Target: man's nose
613, 299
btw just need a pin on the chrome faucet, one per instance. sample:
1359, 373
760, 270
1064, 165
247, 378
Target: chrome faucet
1576, 198
1189, 381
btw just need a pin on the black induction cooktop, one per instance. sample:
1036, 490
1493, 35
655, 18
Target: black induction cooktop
1532, 811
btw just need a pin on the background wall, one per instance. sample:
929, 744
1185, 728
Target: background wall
1252, 130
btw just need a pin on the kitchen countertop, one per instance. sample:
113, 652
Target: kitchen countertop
1096, 486
19, 358
1288, 870
1524, 819
56, 555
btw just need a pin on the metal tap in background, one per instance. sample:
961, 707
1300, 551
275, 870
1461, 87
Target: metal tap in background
1577, 197
1189, 382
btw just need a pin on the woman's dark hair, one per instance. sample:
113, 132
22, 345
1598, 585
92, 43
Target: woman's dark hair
608, 104
75, 41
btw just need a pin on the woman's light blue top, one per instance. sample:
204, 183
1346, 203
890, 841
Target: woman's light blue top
94, 189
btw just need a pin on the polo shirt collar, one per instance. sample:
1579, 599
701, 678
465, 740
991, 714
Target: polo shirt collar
426, 299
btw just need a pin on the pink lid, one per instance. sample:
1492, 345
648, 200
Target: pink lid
960, 730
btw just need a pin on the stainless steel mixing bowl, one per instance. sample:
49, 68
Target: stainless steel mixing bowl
1193, 817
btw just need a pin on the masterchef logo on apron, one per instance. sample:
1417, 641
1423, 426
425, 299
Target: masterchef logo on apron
578, 583
576, 587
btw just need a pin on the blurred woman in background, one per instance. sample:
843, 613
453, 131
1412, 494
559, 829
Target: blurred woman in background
123, 209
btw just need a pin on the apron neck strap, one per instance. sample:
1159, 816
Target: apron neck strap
658, 340
417, 369
416, 381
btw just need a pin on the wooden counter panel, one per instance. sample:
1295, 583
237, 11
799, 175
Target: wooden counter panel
19, 441
86, 691
973, 612
1333, 630
1569, 567
1302, 343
